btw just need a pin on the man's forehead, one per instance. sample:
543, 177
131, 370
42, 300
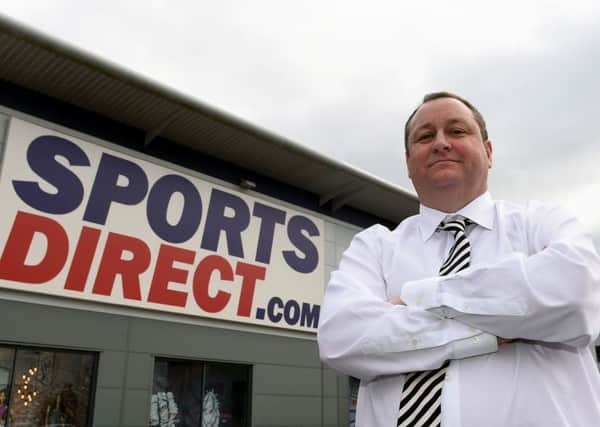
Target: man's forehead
442, 120
441, 109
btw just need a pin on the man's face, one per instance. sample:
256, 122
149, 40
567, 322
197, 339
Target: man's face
446, 151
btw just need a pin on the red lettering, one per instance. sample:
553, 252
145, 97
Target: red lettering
250, 274
164, 273
202, 281
12, 262
113, 264
82, 259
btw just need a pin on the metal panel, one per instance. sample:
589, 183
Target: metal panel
62, 327
3, 131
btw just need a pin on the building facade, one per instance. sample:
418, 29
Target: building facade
161, 262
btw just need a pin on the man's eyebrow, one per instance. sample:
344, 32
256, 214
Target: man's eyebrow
426, 125
429, 125
453, 121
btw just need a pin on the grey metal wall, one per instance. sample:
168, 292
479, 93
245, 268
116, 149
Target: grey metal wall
289, 386
338, 236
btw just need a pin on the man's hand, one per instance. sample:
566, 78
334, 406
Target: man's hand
501, 341
396, 301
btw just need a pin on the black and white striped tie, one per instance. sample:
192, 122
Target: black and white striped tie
420, 402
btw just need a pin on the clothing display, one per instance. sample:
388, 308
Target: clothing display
3, 414
534, 277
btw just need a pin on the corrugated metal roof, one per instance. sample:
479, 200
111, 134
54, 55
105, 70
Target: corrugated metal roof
38, 62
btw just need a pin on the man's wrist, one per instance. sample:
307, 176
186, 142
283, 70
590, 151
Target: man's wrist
423, 293
476, 345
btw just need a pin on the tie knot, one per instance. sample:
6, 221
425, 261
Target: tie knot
454, 223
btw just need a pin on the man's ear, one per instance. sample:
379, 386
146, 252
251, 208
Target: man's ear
488, 150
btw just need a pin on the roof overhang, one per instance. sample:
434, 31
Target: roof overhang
51, 67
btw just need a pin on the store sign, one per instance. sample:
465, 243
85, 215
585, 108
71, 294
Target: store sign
83, 221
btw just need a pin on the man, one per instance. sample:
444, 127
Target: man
474, 312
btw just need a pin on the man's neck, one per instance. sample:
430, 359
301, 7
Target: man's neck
449, 202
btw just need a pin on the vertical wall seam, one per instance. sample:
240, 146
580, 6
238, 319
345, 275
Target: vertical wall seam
125, 372
4, 123
322, 395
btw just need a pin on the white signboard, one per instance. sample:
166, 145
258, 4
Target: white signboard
83, 221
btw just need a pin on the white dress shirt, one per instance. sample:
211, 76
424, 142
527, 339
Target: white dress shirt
534, 276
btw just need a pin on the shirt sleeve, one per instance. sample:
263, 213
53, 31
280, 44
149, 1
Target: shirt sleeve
363, 335
550, 294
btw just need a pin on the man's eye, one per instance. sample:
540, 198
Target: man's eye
458, 131
424, 137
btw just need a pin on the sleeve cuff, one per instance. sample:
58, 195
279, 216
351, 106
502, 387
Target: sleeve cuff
476, 345
423, 293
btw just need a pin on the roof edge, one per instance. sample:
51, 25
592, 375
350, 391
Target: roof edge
26, 33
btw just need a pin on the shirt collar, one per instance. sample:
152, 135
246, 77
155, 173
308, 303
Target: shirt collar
480, 211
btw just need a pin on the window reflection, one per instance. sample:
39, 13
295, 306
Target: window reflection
354, 384
44, 388
7, 356
227, 386
194, 393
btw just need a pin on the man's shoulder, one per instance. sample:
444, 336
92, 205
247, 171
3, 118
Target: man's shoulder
374, 232
533, 215
407, 225
527, 208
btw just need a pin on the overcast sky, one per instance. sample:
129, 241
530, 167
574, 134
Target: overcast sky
342, 76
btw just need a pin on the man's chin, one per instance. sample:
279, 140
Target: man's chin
446, 179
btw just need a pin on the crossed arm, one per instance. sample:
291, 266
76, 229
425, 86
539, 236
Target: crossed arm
500, 341
552, 295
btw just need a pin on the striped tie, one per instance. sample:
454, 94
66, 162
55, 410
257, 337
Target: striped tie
420, 402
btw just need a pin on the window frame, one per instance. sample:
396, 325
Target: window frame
93, 373
205, 363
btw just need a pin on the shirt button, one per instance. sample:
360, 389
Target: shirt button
419, 301
476, 340
448, 376
414, 342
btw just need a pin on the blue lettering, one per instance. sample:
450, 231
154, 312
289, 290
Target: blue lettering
158, 205
41, 156
269, 217
274, 303
292, 312
216, 221
106, 190
296, 226
310, 315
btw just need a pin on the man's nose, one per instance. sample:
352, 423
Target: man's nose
441, 143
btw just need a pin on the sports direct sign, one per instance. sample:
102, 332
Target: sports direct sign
87, 222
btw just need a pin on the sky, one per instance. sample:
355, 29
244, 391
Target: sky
341, 77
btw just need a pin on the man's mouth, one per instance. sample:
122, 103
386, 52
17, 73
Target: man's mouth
435, 162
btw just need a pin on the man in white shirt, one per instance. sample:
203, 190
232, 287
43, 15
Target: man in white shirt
509, 330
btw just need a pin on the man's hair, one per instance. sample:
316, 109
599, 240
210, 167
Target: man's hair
437, 95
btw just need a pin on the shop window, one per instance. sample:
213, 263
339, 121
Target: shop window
354, 384
193, 393
7, 358
44, 387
